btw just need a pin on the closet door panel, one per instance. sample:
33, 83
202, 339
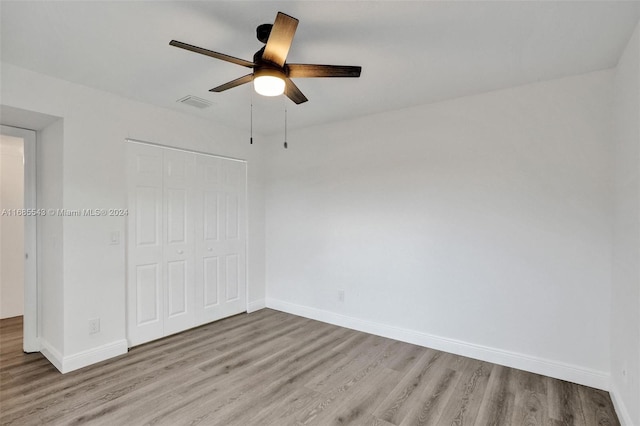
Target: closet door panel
234, 245
210, 279
232, 277
148, 287
220, 245
145, 272
232, 219
209, 265
178, 253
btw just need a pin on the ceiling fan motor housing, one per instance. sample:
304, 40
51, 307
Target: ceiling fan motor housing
264, 70
263, 31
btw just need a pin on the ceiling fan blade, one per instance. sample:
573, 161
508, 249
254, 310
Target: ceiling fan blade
311, 71
293, 93
282, 32
233, 83
211, 53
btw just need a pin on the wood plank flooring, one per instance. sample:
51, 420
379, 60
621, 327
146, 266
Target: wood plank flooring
272, 368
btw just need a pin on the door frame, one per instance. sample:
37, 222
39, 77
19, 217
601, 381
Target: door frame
31, 342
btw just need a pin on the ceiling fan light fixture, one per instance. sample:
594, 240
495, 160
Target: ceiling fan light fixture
271, 75
268, 82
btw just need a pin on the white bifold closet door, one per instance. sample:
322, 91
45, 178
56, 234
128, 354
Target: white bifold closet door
186, 240
178, 254
220, 238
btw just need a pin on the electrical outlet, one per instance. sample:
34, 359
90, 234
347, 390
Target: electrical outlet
94, 325
341, 295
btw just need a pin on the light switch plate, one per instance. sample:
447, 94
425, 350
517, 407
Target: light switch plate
115, 238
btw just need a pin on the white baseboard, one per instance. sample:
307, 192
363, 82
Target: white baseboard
620, 407
551, 368
255, 305
94, 355
51, 353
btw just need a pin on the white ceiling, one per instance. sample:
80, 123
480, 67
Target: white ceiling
411, 52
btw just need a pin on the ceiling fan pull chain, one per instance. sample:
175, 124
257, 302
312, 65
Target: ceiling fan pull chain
251, 120
285, 128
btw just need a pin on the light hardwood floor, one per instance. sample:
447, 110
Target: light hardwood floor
272, 368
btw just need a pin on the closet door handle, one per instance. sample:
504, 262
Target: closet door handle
180, 251
210, 249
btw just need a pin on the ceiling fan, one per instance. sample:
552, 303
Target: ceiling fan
271, 74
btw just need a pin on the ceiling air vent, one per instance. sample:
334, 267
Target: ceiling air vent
195, 101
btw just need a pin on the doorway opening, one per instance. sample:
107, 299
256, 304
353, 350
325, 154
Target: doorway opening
18, 215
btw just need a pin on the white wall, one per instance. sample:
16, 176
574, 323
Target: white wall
49, 192
11, 227
95, 126
625, 306
479, 225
